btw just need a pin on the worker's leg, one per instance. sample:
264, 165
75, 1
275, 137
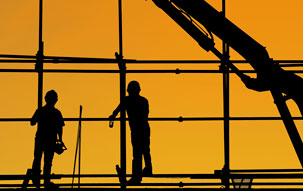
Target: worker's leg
48, 159
36, 167
146, 153
137, 158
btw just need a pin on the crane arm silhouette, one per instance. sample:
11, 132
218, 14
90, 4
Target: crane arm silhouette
269, 75
184, 17
191, 14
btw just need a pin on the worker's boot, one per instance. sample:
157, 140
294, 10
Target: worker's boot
36, 178
147, 171
136, 174
134, 181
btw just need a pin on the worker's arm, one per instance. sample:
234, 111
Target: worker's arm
146, 109
34, 119
60, 132
115, 112
60, 126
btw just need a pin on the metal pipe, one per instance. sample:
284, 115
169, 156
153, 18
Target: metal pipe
39, 63
122, 67
165, 119
225, 60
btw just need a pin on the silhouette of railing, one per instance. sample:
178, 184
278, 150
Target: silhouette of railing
255, 174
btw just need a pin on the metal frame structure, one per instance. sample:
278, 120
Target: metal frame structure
223, 175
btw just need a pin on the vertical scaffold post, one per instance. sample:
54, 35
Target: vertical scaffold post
122, 67
226, 167
39, 57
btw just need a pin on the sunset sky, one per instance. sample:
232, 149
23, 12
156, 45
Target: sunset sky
90, 29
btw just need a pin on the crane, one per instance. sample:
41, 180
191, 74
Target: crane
283, 85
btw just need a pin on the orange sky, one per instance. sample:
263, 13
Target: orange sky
90, 29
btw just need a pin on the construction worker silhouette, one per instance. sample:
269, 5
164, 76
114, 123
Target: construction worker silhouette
49, 131
137, 109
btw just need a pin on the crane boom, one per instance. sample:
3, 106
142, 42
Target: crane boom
216, 23
269, 75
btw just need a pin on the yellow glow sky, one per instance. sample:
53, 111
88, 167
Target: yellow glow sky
90, 29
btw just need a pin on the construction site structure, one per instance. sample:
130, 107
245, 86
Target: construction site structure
190, 15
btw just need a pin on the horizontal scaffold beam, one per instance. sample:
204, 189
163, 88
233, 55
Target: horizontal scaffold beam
278, 174
176, 71
87, 60
180, 184
179, 119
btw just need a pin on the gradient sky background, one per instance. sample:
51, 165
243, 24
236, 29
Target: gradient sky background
90, 29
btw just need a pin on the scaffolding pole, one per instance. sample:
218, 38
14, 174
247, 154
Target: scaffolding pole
225, 50
122, 68
39, 57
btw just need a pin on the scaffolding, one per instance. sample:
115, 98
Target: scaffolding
222, 177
